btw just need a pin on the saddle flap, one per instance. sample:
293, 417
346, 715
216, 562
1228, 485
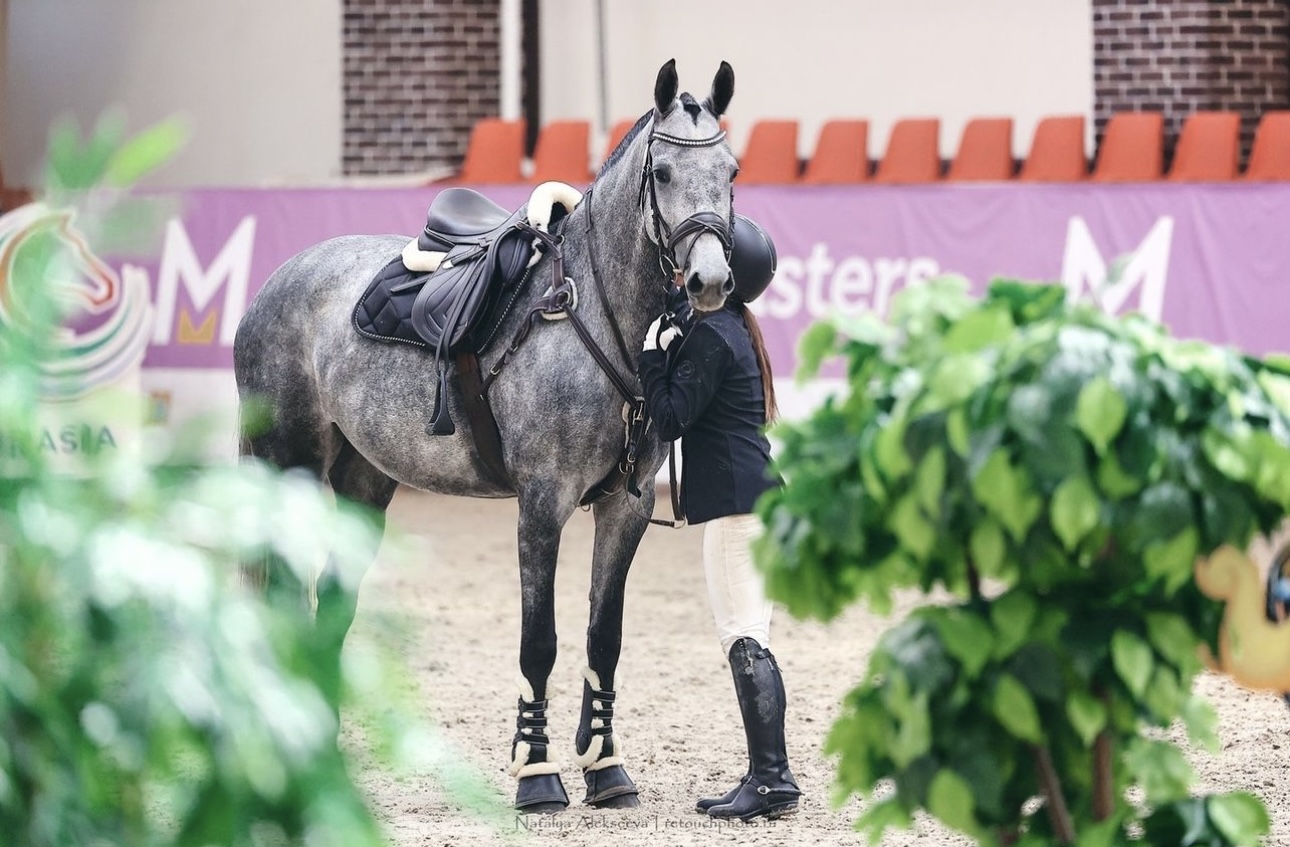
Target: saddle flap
449, 303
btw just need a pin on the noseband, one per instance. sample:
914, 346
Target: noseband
669, 238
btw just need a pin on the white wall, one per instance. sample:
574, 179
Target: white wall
816, 59
258, 80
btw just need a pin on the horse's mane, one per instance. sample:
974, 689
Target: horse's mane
625, 143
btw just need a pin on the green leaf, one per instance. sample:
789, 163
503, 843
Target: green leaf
1132, 660
1172, 637
879, 817
890, 453
978, 329
1202, 724
913, 731
1172, 561
1277, 387
956, 432
1102, 834
1162, 511
1013, 614
1161, 768
1114, 480
146, 152
1229, 453
1163, 695
912, 528
950, 799
966, 637
1074, 511
1239, 816
1100, 412
1005, 491
954, 378
988, 548
929, 481
1028, 301
1014, 708
1087, 715
815, 345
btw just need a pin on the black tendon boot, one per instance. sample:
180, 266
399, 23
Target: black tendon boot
599, 750
769, 789
540, 790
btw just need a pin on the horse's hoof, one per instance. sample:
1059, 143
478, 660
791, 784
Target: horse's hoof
610, 788
622, 801
541, 794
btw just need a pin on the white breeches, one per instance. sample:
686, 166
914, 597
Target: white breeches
735, 591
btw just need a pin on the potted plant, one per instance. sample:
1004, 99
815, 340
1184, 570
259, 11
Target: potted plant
1058, 471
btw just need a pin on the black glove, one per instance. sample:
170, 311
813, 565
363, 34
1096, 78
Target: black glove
679, 312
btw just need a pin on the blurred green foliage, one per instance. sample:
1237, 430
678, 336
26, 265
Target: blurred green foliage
1057, 471
146, 698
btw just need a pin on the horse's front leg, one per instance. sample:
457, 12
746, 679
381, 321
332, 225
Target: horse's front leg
541, 520
600, 753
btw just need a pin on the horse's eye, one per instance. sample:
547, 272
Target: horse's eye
663, 175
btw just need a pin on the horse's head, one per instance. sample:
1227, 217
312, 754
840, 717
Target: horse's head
685, 189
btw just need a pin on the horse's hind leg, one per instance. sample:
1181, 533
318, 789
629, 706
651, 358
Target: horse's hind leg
542, 517
618, 533
356, 481
290, 445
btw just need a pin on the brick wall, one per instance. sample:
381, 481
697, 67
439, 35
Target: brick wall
1182, 56
417, 75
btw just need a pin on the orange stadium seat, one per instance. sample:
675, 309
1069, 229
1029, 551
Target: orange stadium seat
494, 153
1270, 153
617, 133
1209, 148
1056, 151
770, 156
985, 152
1132, 149
841, 153
562, 153
913, 152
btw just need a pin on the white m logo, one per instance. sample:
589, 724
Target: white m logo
1083, 268
230, 270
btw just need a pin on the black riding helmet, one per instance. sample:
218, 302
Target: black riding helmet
752, 259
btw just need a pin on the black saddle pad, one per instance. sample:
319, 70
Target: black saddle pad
384, 313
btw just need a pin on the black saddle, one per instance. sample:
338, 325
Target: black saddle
452, 309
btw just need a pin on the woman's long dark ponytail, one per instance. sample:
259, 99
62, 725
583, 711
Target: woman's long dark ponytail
763, 362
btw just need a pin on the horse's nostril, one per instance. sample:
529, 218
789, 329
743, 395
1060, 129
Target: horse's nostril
728, 286
694, 285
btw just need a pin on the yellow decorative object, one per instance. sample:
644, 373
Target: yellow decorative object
1252, 650
201, 334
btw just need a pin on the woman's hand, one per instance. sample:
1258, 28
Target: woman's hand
660, 334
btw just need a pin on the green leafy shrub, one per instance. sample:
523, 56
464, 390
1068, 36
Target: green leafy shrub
145, 697
1058, 471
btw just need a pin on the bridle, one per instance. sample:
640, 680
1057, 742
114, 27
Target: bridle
668, 238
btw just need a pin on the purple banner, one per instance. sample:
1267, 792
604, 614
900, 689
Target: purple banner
1210, 261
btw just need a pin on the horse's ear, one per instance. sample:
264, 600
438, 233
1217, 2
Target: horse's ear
665, 87
723, 88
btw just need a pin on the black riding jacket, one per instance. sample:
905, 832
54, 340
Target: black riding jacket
707, 391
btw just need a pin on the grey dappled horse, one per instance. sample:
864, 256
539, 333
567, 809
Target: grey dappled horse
353, 411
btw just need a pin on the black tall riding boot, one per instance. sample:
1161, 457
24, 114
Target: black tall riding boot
768, 789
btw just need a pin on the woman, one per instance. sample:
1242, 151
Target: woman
707, 381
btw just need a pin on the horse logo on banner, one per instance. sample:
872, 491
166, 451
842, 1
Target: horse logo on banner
105, 332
